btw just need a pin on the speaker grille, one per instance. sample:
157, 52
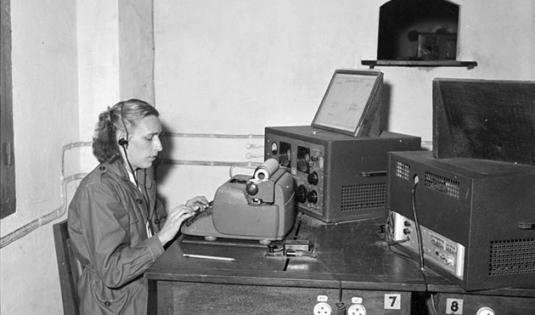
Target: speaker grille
402, 170
512, 257
356, 197
442, 184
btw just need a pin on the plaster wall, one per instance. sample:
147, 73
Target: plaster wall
66, 70
234, 67
45, 117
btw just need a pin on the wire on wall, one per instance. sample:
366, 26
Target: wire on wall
248, 146
56, 213
211, 135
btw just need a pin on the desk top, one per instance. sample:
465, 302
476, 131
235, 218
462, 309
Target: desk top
349, 255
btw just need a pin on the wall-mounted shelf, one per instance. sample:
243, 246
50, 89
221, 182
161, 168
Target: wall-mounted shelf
419, 63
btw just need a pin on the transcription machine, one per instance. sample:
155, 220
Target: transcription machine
260, 207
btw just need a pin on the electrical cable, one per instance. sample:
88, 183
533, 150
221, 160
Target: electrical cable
154, 213
417, 226
420, 245
167, 161
391, 243
332, 274
123, 143
45, 219
130, 165
211, 135
329, 271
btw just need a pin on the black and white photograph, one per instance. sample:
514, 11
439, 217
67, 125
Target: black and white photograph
288, 157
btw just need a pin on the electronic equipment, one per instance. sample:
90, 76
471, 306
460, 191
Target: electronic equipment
484, 119
476, 217
470, 200
339, 162
260, 207
337, 177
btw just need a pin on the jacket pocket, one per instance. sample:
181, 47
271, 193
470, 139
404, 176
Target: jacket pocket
110, 301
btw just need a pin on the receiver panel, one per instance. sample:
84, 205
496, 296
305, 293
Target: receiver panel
337, 177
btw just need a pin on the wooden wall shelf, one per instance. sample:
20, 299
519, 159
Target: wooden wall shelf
419, 63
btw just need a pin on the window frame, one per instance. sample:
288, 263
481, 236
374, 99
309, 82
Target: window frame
7, 161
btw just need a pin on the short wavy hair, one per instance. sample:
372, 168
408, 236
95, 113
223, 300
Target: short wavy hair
122, 117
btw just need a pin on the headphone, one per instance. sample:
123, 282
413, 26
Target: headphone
123, 142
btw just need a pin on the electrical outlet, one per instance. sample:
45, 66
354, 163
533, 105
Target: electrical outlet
322, 307
356, 309
485, 311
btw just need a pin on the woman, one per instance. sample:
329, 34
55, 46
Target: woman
114, 216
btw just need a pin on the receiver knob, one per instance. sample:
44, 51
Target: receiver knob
251, 188
301, 194
312, 196
313, 178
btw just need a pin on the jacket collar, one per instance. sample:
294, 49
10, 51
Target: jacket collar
118, 168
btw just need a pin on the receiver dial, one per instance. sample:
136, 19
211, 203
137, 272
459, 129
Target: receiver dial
312, 196
313, 178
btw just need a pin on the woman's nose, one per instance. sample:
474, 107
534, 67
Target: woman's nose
157, 144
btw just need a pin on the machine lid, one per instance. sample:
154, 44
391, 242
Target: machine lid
351, 104
485, 119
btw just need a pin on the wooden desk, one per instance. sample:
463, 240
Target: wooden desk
351, 260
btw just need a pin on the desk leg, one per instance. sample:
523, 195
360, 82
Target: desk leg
152, 303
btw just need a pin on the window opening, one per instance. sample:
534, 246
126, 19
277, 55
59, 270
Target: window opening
418, 30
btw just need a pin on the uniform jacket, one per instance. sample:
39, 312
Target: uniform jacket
107, 222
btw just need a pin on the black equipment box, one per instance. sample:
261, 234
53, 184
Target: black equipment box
476, 217
339, 161
338, 177
471, 200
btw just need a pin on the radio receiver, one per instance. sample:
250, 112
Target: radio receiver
339, 162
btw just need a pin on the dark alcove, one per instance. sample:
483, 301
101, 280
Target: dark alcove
418, 30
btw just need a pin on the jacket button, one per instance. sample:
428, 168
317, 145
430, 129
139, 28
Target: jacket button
102, 168
107, 303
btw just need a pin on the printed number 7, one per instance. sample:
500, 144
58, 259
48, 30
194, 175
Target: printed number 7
392, 301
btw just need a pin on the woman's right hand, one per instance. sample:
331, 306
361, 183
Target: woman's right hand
174, 220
